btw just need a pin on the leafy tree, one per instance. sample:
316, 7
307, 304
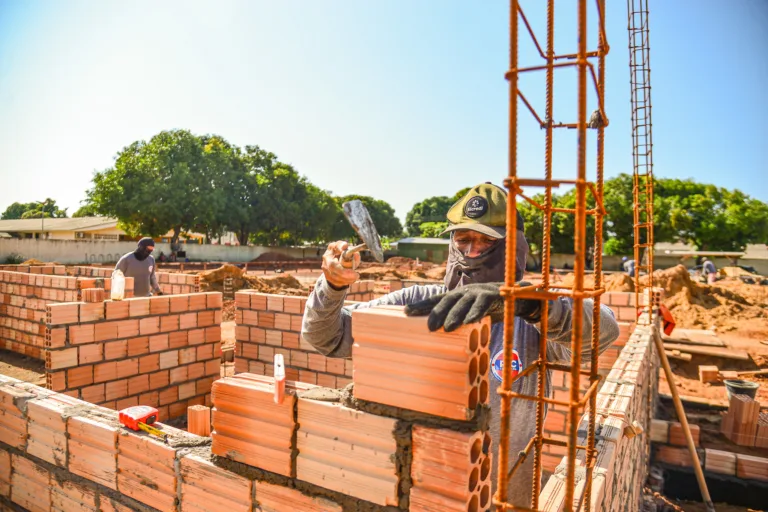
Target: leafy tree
434, 229
382, 215
159, 185
246, 195
34, 210
432, 209
87, 210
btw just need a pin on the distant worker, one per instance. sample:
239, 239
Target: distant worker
629, 266
708, 270
475, 271
140, 265
162, 258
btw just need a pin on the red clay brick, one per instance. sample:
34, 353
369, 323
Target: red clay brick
203, 386
65, 358
169, 323
138, 384
159, 342
117, 310
169, 359
80, 376
213, 334
283, 321
179, 374
116, 349
159, 379
127, 367
197, 301
169, 395
212, 367
116, 389
105, 372
177, 409
46, 431
124, 403
151, 399
188, 321
138, 346
149, 325
30, 485
178, 339
204, 352
195, 371
149, 363
62, 314
179, 303
274, 338
214, 300
274, 302
138, 307
317, 362
93, 450
79, 334
91, 353
186, 390
127, 328
142, 459
307, 376
92, 312
93, 394
159, 305
195, 336
187, 355
104, 331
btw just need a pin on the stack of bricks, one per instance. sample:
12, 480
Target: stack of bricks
670, 448
399, 284
360, 291
740, 424
23, 298
170, 283
415, 455
50, 270
159, 351
621, 466
271, 324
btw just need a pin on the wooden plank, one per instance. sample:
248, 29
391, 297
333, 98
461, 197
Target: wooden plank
694, 337
727, 353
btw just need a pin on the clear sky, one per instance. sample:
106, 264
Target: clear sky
399, 100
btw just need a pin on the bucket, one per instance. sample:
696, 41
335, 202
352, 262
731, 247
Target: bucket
741, 387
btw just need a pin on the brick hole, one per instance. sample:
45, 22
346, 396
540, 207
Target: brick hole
485, 469
473, 505
472, 400
484, 362
473, 370
474, 453
473, 479
487, 444
485, 496
484, 392
474, 339
485, 335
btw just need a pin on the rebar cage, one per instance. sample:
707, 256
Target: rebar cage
582, 60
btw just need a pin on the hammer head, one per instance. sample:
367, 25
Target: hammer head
358, 216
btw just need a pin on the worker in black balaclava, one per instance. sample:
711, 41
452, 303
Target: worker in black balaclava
140, 265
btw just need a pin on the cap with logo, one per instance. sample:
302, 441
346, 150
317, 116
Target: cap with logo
482, 209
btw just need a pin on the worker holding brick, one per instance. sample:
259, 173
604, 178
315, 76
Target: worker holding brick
474, 273
140, 265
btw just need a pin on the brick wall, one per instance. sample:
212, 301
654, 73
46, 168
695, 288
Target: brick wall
171, 283
60, 453
271, 324
627, 396
59, 270
23, 299
159, 351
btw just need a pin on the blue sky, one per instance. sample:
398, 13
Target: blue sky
397, 100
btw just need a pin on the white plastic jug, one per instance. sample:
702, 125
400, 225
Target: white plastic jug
118, 285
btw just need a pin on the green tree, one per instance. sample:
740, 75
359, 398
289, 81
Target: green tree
34, 210
432, 209
434, 229
87, 210
159, 185
246, 193
382, 215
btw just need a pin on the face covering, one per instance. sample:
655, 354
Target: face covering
486, 268
142, 251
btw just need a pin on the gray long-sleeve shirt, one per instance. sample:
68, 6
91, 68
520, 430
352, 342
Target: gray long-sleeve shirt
142, 272
327, 326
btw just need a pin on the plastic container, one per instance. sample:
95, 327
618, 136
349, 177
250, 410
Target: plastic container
741, 387
118, 285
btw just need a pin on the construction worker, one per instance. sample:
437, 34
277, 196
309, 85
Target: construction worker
629, 266
474, 272
708, 270
140, 265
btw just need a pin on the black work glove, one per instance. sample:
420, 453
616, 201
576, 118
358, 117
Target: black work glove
159, 292
468, 304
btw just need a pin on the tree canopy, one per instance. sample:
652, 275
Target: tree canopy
382, 215
430, 211
34, 210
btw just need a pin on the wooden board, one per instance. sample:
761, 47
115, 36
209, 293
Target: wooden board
694, 337
727, 353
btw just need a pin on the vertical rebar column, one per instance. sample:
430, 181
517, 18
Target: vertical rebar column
642, 145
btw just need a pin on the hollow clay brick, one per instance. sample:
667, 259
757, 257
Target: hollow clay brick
348, 451
142, 459
249, 427
30, 485
138, 307
47, 431
208, 488
276, 498
199, 420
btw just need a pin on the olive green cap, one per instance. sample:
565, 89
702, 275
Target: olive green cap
482, 209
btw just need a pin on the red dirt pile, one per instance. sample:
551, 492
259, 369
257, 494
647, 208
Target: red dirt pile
213, 280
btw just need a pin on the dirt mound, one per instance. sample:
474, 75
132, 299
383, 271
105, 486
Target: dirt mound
213, 280
34, 263
619, 282
273, 256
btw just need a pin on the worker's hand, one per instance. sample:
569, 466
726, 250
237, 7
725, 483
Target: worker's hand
159, 292
338, 273
469, 304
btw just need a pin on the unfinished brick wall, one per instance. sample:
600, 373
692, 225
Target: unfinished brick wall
171, 283
271, 324
58, 270
23, 299
158, 351
625, 397
305, 454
